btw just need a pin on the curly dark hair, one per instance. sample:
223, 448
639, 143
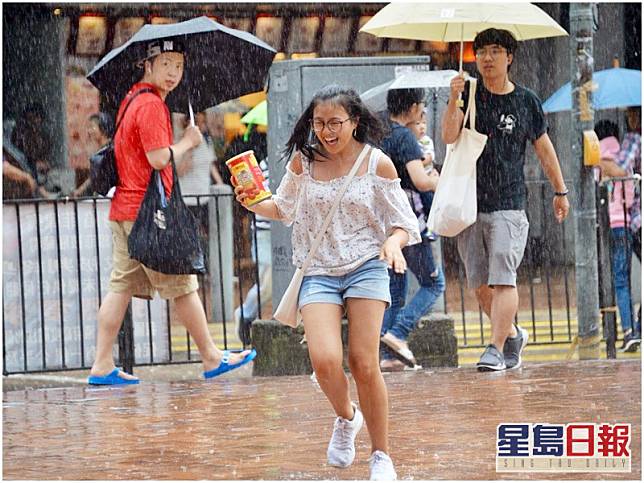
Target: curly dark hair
369, 129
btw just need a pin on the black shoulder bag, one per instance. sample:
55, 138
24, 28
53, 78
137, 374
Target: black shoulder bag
102, 164
164, 236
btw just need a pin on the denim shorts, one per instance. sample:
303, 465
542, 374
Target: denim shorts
369, 281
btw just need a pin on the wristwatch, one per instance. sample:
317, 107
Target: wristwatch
561, 193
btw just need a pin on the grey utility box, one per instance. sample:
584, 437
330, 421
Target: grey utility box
291, 87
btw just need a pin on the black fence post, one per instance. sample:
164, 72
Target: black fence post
605, 273
126, 342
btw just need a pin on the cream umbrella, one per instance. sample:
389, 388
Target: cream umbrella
458, 22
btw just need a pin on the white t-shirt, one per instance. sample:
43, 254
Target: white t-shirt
197, 180
427, 147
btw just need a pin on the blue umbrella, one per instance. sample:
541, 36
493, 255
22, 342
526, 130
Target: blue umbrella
221, 63
616, 87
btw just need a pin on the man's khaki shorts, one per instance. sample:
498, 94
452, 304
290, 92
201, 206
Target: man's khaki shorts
130, 276
492, 248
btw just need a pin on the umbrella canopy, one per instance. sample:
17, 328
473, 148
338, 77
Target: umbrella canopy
257, 115
221, 63
376, 97
453, 22
616, 88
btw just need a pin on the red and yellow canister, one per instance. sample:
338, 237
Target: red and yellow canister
246, 170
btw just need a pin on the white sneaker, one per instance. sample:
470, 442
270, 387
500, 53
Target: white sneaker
381, 467
342, 449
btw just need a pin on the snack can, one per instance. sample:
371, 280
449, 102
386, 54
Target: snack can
246, 170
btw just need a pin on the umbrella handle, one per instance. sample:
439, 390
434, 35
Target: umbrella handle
459, 102
192, 113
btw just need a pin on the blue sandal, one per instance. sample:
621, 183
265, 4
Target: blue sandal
225, 367
110, 379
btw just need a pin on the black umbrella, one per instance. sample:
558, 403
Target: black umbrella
220, 64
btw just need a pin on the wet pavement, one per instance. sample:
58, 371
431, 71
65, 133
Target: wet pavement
442, 425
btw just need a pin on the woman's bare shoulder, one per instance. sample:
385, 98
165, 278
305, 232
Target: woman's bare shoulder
295, 164
385, 167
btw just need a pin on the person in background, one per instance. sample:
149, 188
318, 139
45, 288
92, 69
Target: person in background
199, 165
405, 108
630, 154
30, 138
419, 128
621, 196
197, 168
100, 130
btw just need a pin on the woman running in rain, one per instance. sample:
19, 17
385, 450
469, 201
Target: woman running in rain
349, 271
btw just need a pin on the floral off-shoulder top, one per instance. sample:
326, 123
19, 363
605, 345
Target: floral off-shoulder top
370, 209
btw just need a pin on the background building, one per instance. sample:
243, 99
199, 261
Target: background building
49, 49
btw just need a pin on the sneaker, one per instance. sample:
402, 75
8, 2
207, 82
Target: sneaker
381, 467
491, 360
631, 342
513, 348
342, 449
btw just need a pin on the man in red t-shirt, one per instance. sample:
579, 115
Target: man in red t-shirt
144, 142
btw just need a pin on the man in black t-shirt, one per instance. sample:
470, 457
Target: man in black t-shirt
492, 248
401, 145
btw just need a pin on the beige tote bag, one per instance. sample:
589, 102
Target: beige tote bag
454, 204
287, 312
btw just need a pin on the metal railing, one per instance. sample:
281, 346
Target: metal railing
57, 260
546, 280
56, 267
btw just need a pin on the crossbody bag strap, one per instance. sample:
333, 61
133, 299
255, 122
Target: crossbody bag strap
471, 105
334, 207
120, 120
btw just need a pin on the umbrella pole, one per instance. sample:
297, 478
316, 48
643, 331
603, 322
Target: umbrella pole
460, 60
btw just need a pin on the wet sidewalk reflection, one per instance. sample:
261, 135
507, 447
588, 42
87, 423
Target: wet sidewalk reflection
443, 425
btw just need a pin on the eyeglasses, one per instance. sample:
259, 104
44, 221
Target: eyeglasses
334, 125
494, 52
